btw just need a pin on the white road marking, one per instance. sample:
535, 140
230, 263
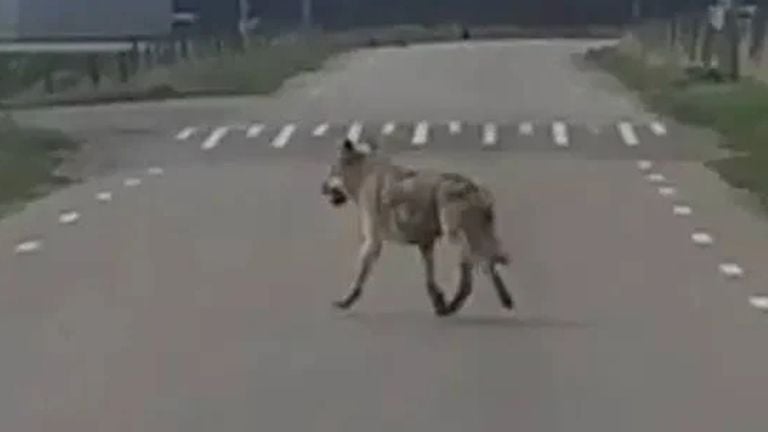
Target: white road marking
681, 210
215, 138
658, 128
656, 178
155, 171
355, 132
628, 135
321, 130
186, 133
30, 246
131, 182
731, 270
388, 128
702, 238
645, 165
69, 217
560, 134
421, 134
104, 196
282, 138
759, 302
526, 128
667, 191
454, 127
254, 130
490, 134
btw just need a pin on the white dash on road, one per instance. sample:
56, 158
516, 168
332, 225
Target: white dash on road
759, 302
69, 217
490, 134
731, 270
702, 238
282, 138
421, 134
131, 182
454, 127
682, 210
321, 130
645, 165
526, 128
628, 135
388, 128
658, 128
355, 132
667, 191
656, 178
254, 130
29, 246
214, 138
560, 134
186, 133
155, 171
104, 197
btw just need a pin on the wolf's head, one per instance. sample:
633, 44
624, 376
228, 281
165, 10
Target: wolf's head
347, 172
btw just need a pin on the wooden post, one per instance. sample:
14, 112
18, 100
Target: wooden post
122, 66
94, 72
733, 38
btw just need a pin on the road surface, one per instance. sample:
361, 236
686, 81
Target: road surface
186, 284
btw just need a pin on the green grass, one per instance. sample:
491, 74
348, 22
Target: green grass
737, 111
28, 161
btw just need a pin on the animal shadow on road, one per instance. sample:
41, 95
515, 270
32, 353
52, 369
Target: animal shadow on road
415, 319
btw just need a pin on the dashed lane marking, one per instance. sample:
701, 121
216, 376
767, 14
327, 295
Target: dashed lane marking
731, 270
104, 197
28, 247
355, 132
526, 128
321, 130
131, 182
759, 302
388, 128
69, 217
628, 135
560, 134
490, 134
658, 128
645, 165
656, 178
682, 210
454, 127
186, 133
282, 138
215, 138
155, 171
667, 191
421, 134
254, 130
701, 238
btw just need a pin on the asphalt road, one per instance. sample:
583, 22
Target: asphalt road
187, 284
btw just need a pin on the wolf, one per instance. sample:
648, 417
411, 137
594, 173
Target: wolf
417, 207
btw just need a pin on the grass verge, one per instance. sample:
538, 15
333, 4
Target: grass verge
737, 111
29, 159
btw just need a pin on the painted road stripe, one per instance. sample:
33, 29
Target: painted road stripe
254, 130
421, 134
104, 196
454, 127
282, 139
526, 128
321, 130
490, 134
186, 133
731, 270
131, 182
667, 191
388, 128
355, 132
29, 246
702, 238
155, 171
656, 178
560, 134
759, 302
215, 138
682, 210
645, 165
69, 217
658, 128
628, 135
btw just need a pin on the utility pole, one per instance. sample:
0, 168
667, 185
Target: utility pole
306, 14
245, 11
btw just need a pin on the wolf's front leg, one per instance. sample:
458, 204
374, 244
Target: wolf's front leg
369, 254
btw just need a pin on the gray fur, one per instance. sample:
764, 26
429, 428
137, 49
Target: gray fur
417, 207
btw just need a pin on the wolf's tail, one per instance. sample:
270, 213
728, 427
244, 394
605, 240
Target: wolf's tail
468, 217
